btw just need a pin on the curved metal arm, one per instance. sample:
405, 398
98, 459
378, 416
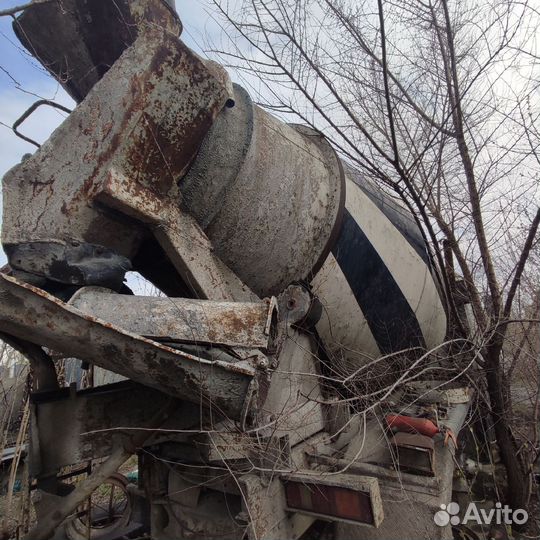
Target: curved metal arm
28, 112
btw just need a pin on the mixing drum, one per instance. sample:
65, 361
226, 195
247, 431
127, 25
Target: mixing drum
280, 207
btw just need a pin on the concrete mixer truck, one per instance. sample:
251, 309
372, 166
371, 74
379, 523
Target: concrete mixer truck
266, 390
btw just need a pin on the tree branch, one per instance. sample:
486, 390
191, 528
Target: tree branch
14, 10
521, 264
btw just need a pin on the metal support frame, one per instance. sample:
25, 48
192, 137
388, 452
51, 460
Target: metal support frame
221, 386
70, 428
234, 324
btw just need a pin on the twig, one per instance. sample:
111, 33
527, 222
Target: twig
21, 7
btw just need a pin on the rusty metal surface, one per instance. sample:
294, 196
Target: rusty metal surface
69, 428
186, 245
298, 306
29, 313
78, 41
267, 195
242, 324
295, 303
144, 121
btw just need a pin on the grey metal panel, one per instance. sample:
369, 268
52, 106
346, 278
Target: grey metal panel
242, 324
93, 35
265, 509
220, 385
74, 427
410, 501
187, 247
293, 403
142, 122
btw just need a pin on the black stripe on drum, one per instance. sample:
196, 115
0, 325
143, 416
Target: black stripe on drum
390, 318
398, 216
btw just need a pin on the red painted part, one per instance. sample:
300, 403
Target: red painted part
331, 501
410, 424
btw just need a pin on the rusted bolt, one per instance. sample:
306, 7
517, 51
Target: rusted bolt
262, 363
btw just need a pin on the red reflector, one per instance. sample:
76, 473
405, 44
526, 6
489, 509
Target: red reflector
331, 501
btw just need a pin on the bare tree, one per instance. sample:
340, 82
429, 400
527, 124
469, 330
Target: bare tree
436, 101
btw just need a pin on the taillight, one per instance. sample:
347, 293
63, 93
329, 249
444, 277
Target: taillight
415, 453
345, 498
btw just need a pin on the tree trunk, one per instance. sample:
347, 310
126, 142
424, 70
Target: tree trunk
517, 492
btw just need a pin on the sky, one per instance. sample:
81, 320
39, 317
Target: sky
23, 81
